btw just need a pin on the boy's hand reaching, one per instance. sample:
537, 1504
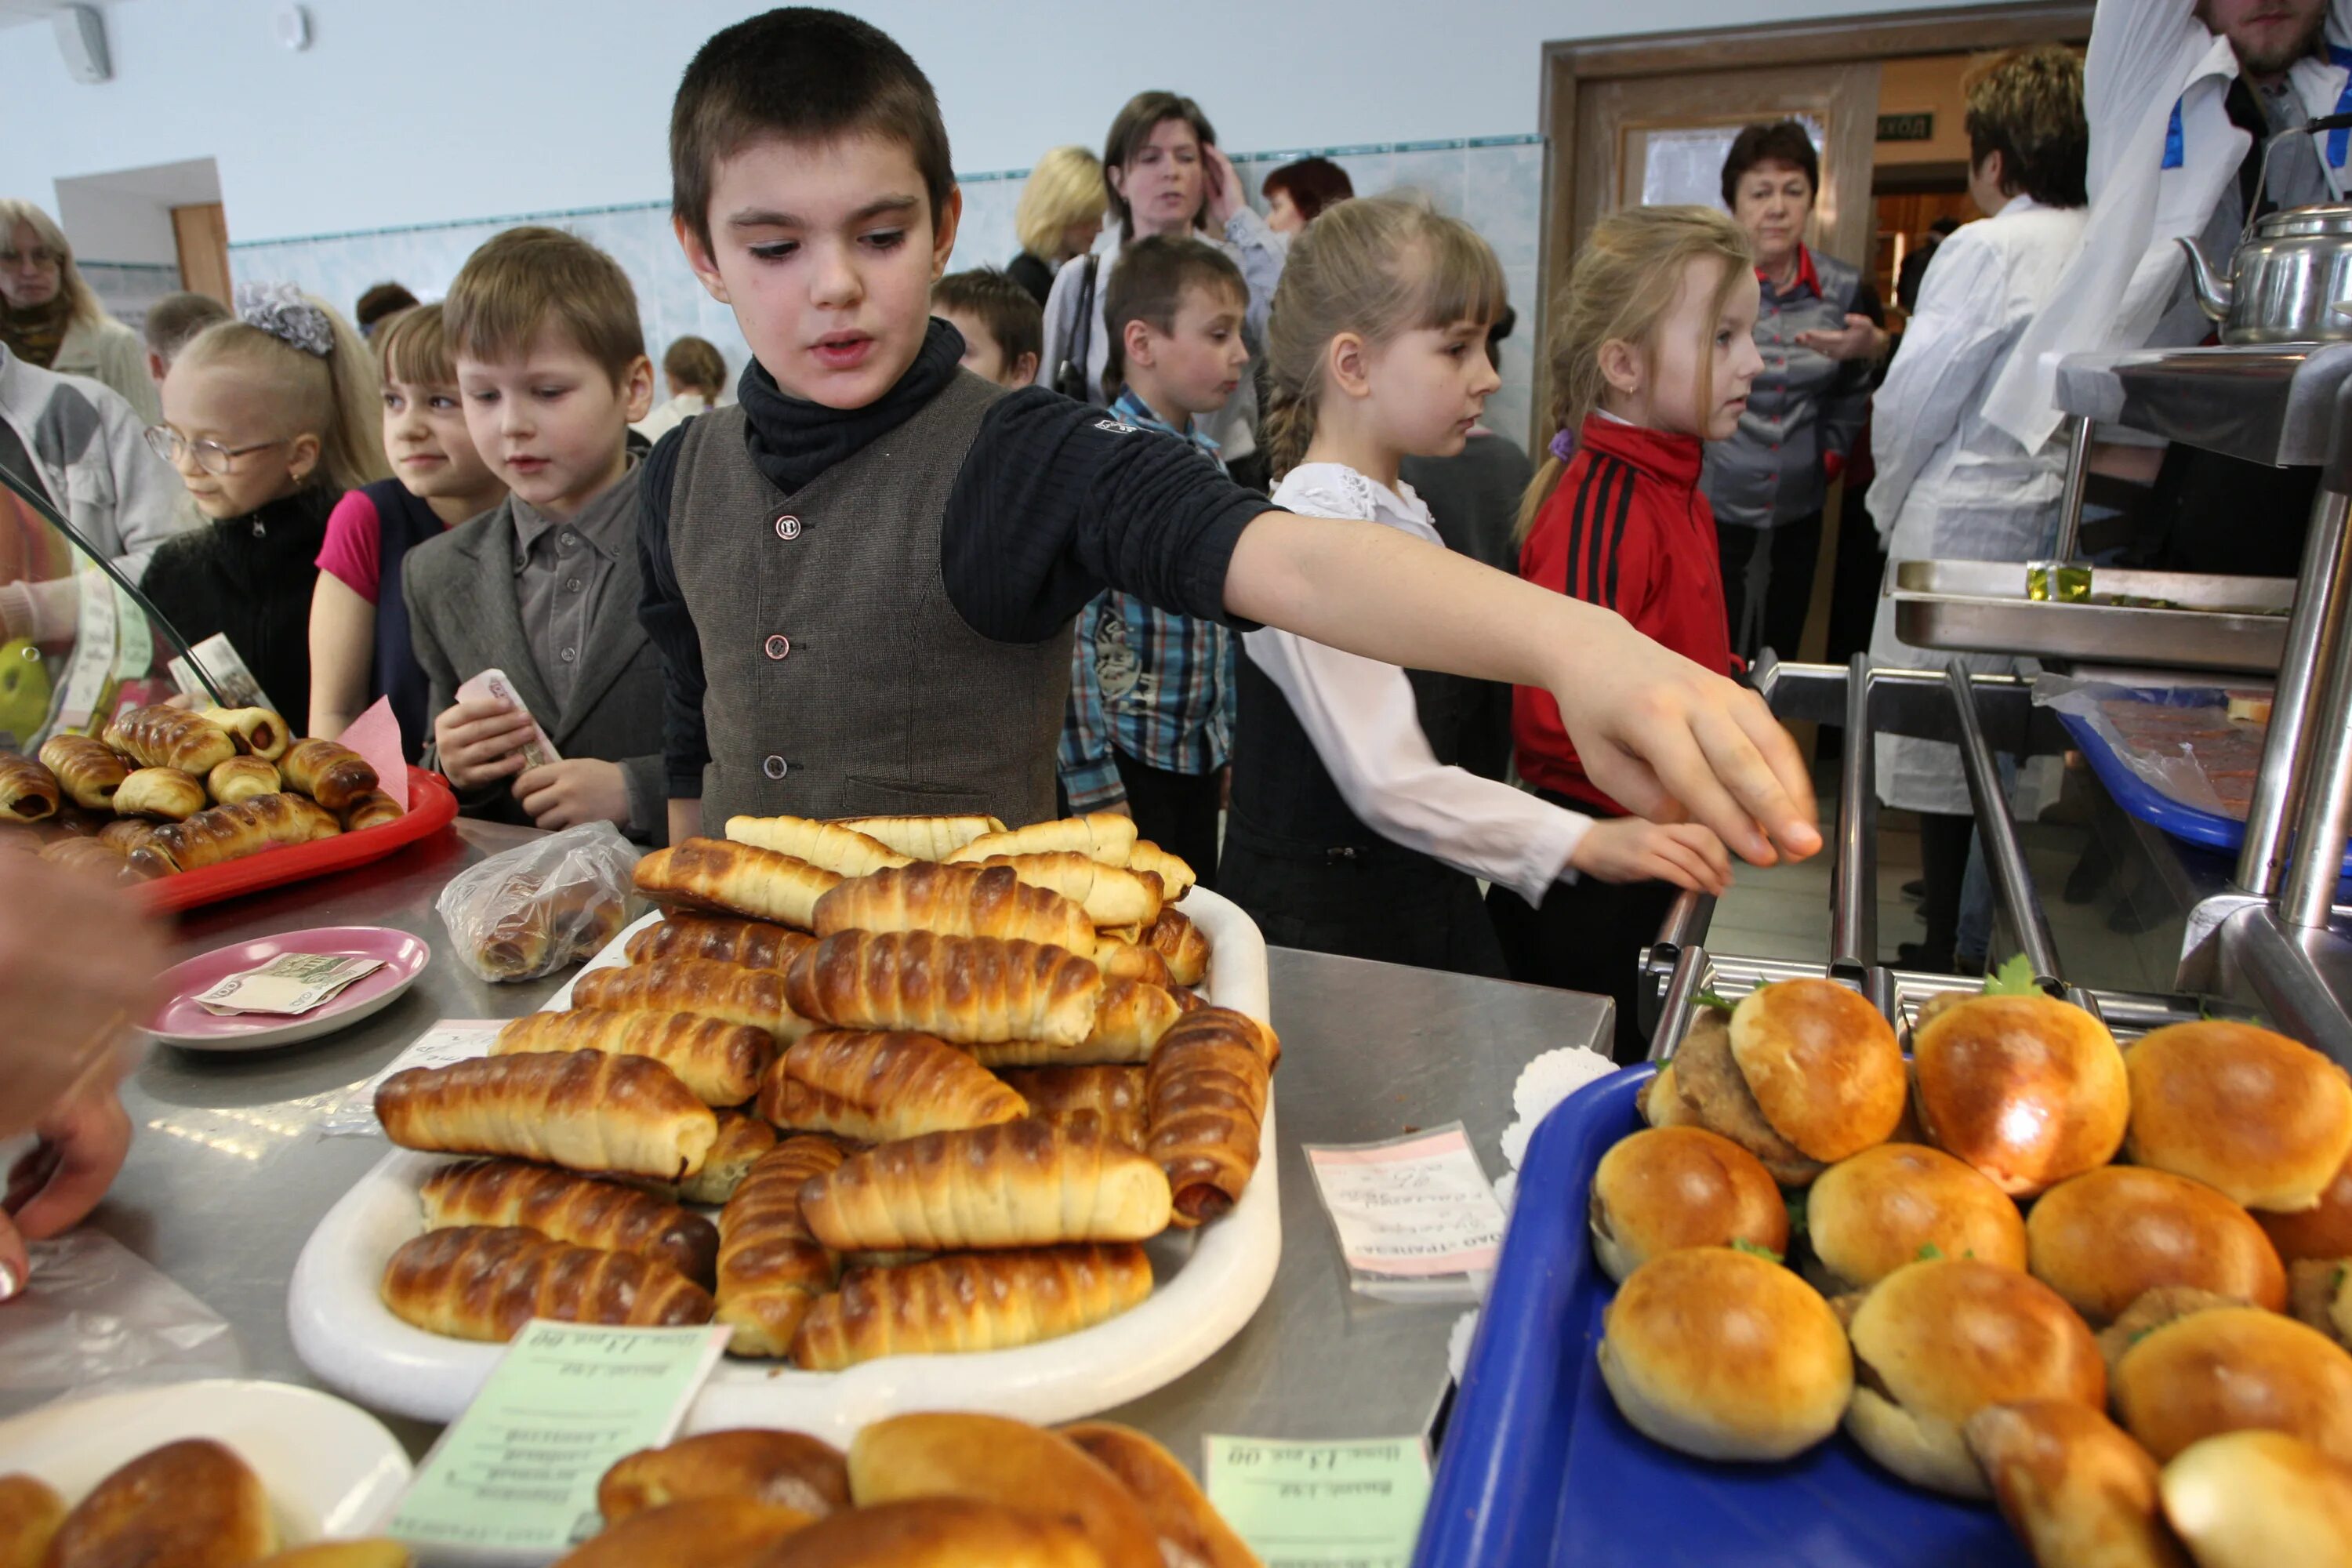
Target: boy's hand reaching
480, 741
1628, 850
573, 791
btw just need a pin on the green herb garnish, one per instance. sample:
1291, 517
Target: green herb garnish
1928, 1253
1709, 999
2014, 978
1743, 1245
1797, 1224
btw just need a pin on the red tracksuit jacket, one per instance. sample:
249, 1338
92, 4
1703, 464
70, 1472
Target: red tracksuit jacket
1627, 527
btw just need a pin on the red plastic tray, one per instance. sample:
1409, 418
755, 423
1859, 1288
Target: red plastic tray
431, 808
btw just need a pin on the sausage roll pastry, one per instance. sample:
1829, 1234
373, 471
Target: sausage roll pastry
924, 838
166, 793
232, 832
87, 770
826, 844
1206, 1091
479, 1282
878, 1087
577, 1209
584, 1110
242, 778
720, 1060
743, 1139
1131, 961
771, 1268
171, 738
370, 808
963, 989
715, 877
971, 1301
1180, 942
1175, 872
28, 790
330, 773
258, 729
1112, 896
755, 944
703, 986
1018, 1183
1103, 835
1114, 1096
957, 901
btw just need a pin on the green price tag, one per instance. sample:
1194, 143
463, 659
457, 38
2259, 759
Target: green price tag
517, 1473
1322, 1505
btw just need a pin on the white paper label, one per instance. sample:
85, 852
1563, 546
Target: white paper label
1415, 1206
450, 1040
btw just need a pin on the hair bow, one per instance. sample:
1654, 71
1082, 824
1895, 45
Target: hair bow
281, 310
1563, 444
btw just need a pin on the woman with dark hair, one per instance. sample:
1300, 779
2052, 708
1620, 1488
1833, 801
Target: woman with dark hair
1821, 334
1950, 485
1164, 175
1296, 192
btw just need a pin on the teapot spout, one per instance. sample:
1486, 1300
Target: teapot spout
2214, 294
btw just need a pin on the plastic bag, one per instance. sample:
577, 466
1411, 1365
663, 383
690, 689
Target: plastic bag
94, 1314
2178, 741
539, 906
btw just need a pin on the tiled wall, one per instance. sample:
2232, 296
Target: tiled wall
128, 287
1495, 184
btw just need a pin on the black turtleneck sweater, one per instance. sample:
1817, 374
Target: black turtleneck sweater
251, 578
1055, 502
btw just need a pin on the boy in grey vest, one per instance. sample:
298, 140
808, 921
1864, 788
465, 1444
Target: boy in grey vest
863, 575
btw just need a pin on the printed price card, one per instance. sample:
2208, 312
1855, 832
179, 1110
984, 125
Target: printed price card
1321, 1505
516, 1475
1416, 1206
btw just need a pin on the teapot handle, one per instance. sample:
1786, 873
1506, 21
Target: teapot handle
2341, 121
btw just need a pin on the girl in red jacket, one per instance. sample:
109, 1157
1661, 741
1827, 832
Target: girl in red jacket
1652, 356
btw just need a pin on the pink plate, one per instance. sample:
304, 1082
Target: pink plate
180, 1021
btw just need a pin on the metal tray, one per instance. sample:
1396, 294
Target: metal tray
1980, 606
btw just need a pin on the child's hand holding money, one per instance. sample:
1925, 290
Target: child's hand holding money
576, 790
481, 739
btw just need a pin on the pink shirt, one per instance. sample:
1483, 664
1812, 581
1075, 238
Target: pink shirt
352, 551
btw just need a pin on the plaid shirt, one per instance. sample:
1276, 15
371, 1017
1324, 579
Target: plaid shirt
1158, 687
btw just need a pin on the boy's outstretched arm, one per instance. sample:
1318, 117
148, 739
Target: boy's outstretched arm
1658, 732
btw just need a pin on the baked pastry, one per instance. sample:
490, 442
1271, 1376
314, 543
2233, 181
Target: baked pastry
171, 738
2232, 1368
1669, 1187
2105, 1236
1101, 835
92, 855
701, 985
2321, 1231
956, 900
743, 1139
874, 1088
257, 730
483, 1282
127, 833
30, 1512
1019, 1183
782, 1469
1725, 1355
378, 1552
718, 1060
2028, 1089
537, 928
1181, 945
991, 1459
971, 1301
564, 1207
1190, 1529
189, 1504
1713, 1093
1822, 1065
2319, 1292
86, 770
715, 877
755, 944
327, 772
1205, 1097
1175, 873
28, 790
705, 1532
772, 1268
241, 778
166, 793
1111, 894
1128, 961
964, 989
232, 832
1870, 1215
2077, 1491
2263, 1120
2260, 1499
370, 808
826, 844
1937, 1340
934, 1532
584, 1110
1114, 1096
923, 838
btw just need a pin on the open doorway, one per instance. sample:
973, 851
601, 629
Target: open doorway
140, 234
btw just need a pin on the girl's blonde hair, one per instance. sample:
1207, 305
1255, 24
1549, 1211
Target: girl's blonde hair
1375, 266
336, 395
1622, 287
80, 302
1065, 187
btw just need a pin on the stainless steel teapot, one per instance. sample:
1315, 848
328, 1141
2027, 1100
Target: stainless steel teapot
2290, 281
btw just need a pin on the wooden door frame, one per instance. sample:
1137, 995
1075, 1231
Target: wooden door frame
1829, 40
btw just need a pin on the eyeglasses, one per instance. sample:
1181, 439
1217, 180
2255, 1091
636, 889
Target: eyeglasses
39, 255
210, 455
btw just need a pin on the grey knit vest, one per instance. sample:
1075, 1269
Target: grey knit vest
841, 680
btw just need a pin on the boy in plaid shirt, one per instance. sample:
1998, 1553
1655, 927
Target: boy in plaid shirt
1151, 694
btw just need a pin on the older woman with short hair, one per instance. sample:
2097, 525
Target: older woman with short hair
1059, 216
49, 319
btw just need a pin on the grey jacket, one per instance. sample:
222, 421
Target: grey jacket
463, 618
1802, 408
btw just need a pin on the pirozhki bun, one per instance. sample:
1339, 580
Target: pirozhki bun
1711, 1092
2232, 1369
2104, 1237
2319, 1292
2325, 1231
1823, 1064
1669, 1187
1868, 1216
2248, 1112
2260, 1499
2028, 1089
1724, 1355
1936, 1341
2076, 1490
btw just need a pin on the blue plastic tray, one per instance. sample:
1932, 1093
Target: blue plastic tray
1537, 1468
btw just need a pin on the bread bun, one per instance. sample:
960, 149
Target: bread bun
1715, 1095
2103, 1238
2028, 1089
991, 1459
2231, 1369
1665, 1187
1871, 1215
1724, 1355
377, 1553
1936, 1341
2319, 1292
2260, 1499
2248, 1112
2078, 1492
787, 1469
934, 1532
191, 1504
2325, 1231
709, 1532
1822, 1063
30, 1512
1660, 1103
1190, 1530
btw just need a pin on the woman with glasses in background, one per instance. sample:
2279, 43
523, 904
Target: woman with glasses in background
49, 317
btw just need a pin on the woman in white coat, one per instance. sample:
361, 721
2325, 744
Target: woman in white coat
1949, 485
50, 319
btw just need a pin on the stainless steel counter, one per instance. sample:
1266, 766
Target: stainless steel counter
227, 1176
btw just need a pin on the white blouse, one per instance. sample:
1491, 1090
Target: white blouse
1360, 715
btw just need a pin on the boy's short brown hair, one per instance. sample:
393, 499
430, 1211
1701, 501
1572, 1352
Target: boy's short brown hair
172, 320
1148, 286
1009, 313
521, 280
695, 363
412, 347
799, 74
